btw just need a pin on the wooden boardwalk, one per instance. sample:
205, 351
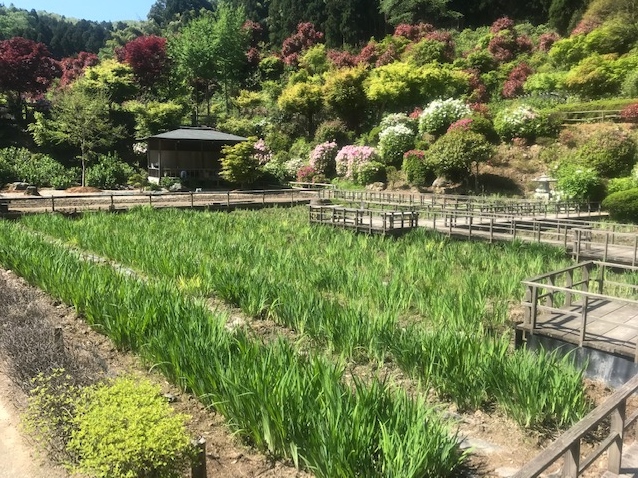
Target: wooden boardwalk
387, 223
593, 304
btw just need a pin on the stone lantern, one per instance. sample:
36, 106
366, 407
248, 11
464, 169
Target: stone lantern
544, 190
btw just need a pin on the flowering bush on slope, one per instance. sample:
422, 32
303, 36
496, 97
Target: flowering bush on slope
351, 158
440, 114
322, 158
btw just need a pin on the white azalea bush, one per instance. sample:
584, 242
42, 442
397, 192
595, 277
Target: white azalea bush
524, 122
437, 116
396, 119
394, 141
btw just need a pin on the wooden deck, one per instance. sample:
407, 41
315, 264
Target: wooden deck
387, 223
592, 304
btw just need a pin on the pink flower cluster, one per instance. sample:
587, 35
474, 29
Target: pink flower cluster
262, 152
629, 113
323, 156
464, 124
350, 158
413, 32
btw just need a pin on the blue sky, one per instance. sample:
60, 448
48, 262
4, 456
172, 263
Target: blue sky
98, 10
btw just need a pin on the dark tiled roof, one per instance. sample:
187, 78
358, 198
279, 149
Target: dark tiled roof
201, 134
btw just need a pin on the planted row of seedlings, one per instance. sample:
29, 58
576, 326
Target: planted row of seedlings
438, 308
293, 405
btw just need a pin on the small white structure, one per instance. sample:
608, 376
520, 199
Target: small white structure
544, 189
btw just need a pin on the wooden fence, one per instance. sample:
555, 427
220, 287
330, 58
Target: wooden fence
591, 116
568, 445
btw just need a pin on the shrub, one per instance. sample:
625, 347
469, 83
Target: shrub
334, 130
350, 159
322, 158
417, 171
615, 185
629, 86
370, 172
453, 154
622, 205
524, 122
578, 183
125, 428
514, 85
393, 142
478, 124
396, 119
239, 163
293, 165
440, 114
629, 113
306, 174
37, 169
108, 172
611, 153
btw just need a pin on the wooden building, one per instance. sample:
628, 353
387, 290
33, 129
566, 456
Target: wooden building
189, 153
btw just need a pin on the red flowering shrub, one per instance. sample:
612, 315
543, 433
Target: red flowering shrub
305, 37
629, 113
413, 32
253, 56
546, 40
585, 26
481, 109
515, 81
368, 55
254, 30
524, 44
464, 124
503, 23
503, 46
448, 43
388, 56
306, 174
341, 59
478, 90
416, 113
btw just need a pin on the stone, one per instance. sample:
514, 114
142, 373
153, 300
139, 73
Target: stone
177, 188
19, 186
378, 186
31, 191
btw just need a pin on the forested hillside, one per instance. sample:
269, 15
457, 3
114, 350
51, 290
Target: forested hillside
403, 91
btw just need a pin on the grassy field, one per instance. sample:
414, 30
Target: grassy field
436, 308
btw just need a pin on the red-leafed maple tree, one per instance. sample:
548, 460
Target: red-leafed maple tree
73, 67
26, 68
147, 56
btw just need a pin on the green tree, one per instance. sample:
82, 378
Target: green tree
302, 98
79, 118
345, 94
240, 164
413, 11
210, 48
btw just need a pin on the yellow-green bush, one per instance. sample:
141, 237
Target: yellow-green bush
125, 429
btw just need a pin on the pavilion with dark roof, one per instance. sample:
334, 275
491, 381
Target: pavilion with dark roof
189, 152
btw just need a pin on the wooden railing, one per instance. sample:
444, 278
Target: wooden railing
307, 185
416, 201
364, 220
114, 200
568, 445
609, 244
570, 287
591, 116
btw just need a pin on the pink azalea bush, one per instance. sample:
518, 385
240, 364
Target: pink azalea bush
263, 154
350, 158
322, 157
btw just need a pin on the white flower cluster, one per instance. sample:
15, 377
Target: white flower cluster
440, 114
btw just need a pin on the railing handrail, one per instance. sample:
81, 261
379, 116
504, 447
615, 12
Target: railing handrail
566, 441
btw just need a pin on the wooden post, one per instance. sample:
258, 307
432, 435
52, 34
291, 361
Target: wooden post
58, 341
606, 246
150, 199
52, 204
586, 271
292, 197
470, 228
550, 297
583, 321
263, 197
192, 200
534, 311
572, 461
617, 428
576, 250
569, 285
633, 258
491, 230
198, 468
228, 199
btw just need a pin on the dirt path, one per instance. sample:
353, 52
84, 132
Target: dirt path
16, 453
